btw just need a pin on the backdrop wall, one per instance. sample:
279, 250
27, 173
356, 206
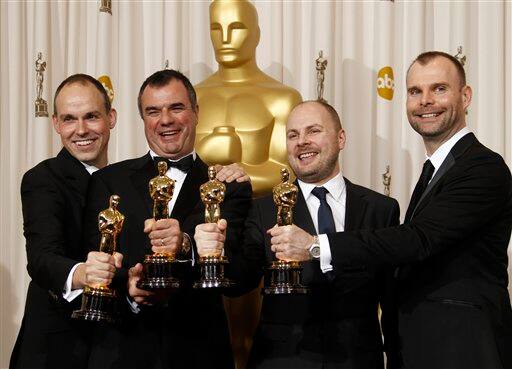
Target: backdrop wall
359, 39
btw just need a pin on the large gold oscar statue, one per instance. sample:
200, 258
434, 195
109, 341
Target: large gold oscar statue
242, 118
242, 111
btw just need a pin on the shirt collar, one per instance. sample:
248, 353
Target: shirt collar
335, 186
89, 168
193, 153
442, 152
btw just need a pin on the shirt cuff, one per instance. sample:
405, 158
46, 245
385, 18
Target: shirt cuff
69, 294
134, 307
325, 253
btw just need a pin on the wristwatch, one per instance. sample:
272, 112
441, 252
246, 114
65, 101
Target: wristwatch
314, 249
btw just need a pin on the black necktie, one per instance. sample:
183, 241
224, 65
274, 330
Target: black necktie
184, 164
426, 174
325, 218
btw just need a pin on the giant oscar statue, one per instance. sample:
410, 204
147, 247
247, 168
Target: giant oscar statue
242, 119
243, 111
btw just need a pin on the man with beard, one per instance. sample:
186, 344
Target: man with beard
184, 328
454, 307
336, 325
53, 197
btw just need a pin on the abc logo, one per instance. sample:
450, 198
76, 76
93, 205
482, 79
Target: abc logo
386, 83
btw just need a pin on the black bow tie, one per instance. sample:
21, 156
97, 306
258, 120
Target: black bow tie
184, 164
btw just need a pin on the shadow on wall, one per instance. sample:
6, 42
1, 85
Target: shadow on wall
198, 72
367, 153
9, 325
283, 75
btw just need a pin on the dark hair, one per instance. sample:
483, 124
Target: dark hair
427, 57
161, 79
329, 109
82, 79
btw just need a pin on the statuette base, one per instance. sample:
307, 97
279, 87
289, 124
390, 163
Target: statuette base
98, 304
159, 273
41, 107
285, 278
212, 273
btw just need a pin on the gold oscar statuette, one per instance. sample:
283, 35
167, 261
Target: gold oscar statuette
159, 268
41, 106
321, 65
243, 110
212, 266
98, 301
284, 277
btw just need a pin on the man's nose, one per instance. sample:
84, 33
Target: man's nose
167, 116
303, 139
427, 98
81, 127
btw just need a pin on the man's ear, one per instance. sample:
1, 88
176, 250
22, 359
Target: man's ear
341, 139
467, 94
55, 122
112, 116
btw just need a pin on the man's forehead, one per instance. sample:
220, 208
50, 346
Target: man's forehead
170, 93
436, 70
307, 114
79, 93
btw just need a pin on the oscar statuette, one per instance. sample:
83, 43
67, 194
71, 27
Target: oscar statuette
99, 302
284, 277
158, 268
212, 266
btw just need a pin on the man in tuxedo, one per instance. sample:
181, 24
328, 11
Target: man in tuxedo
53, 196
454, 307
336, 325
184, 328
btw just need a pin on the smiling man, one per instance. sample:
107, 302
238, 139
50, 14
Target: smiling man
186, 328
454, 307
53, 197
336, 325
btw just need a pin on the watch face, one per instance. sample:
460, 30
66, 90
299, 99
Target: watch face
315, 251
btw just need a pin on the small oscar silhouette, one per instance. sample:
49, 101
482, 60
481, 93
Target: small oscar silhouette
99, 301
159, 268
284, 277
212, 266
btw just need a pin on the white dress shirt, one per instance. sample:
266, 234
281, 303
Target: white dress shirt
336, 198
179, 177
442, 151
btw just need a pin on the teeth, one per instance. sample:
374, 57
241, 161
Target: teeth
431, 115
84, 142
168, 133
306, 155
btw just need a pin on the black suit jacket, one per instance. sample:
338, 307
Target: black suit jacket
190, 329
454, 306
336, 325
53, 197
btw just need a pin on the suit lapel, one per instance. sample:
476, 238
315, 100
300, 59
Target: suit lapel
301, 216
143, 171
355, 207
75, 174
189, 194
457, 150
